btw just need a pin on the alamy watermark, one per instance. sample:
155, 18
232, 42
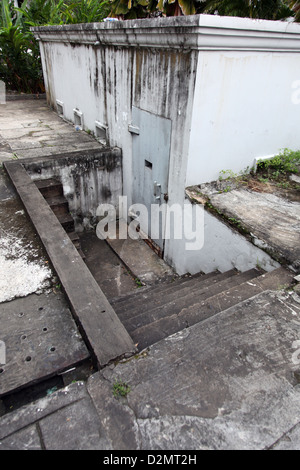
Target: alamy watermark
159, 222
2, 353
2, 92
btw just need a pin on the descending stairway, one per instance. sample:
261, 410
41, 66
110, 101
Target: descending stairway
52, 190
157, 312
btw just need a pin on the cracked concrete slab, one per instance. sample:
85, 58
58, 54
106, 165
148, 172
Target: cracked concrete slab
273, 221
31, 129
231, 382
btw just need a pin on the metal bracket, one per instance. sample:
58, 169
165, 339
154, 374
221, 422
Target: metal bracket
133, 129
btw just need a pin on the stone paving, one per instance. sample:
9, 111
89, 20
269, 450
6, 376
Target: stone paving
230, 382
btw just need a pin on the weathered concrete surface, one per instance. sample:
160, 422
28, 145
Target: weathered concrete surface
105, 335
30, 129
231, 382
139, 257
41, 340
273, 221
65, 420
111, 274
89, 178
21, 254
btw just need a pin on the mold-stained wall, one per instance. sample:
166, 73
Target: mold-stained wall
88, 179
227, 85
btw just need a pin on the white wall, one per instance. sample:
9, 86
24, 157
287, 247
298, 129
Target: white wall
220, 248
226, 84
104, 82
243, 109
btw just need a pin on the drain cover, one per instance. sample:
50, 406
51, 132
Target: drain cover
40, 339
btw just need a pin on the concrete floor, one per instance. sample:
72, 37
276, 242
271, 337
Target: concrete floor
230, 382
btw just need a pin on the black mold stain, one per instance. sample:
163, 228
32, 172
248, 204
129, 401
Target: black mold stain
105, 192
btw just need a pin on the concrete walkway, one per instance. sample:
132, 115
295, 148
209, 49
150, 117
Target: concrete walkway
229, 382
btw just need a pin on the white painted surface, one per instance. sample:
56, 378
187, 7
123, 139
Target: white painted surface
223, 249
243, 109
17, 267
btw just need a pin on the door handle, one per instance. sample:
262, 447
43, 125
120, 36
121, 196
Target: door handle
157, 190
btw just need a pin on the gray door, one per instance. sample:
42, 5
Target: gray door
150, 159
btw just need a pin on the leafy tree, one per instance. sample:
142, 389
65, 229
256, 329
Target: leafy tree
19, 60
38, 12
264, 9
87, 11
295, 6
20, 64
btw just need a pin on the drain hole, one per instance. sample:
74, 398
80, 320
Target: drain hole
52, 349
45, 329
41, 308
23, 337
21, 314
28, 359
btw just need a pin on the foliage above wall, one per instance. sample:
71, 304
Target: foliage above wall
20, 64
266, 9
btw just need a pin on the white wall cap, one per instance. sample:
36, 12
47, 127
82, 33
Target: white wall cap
200, 32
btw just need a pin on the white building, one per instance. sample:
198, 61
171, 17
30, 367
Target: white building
183, 97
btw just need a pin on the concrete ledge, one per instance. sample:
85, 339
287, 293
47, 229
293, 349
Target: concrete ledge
201, 32
98, 323
25, 96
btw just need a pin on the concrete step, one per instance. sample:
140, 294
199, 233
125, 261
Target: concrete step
74, 237
50, 187
66, 221
81, 253
201, 309
58, 204
144, 293
178, 294
179, 302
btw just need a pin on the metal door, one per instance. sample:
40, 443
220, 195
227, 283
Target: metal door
150, 160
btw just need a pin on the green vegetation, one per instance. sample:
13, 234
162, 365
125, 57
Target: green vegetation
286, 162
276, 169
120, 389
270, 9
138, 282
20, 63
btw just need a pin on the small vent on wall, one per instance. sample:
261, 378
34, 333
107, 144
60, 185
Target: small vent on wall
78, 119
101, 132
60, 107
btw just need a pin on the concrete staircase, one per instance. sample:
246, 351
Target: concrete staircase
154, 313
52, 190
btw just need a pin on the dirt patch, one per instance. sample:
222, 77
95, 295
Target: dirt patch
283, 187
